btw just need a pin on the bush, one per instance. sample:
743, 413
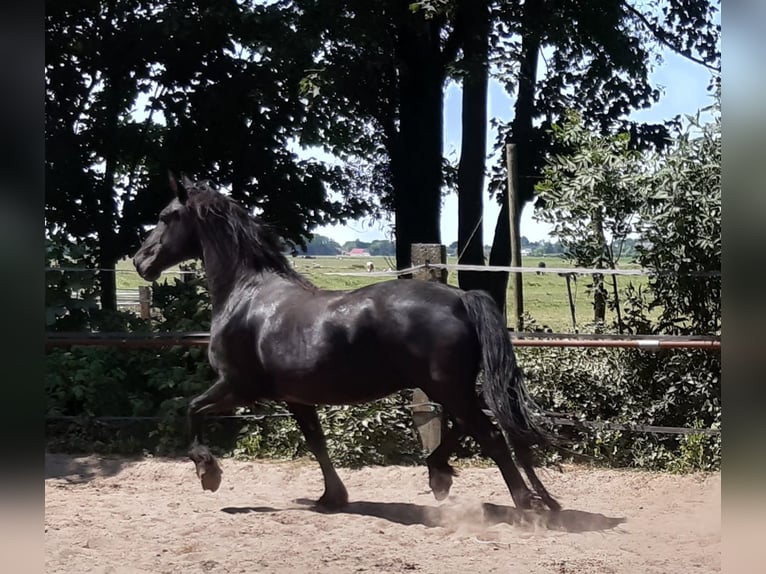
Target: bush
675, 388
380, 432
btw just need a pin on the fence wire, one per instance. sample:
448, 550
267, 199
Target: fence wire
556, 419
450, 267
521, 339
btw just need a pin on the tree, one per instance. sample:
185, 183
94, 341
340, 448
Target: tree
381, 71
473, 24
590, 194
601, 191
377, 92
382, 247
321, 245
680, 229
223, 104
602, 53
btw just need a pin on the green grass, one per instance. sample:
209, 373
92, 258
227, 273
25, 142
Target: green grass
545, 295
127, 278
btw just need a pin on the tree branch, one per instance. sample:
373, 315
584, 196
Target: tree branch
663, 38
454, 41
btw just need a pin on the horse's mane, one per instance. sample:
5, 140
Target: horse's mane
231, 229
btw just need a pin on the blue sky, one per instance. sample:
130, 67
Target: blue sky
685, 91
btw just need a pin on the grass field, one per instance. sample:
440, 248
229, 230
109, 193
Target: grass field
545, 295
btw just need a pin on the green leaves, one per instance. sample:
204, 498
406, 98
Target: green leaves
590, 194
680, 223
223, 84
676, 388
599, 191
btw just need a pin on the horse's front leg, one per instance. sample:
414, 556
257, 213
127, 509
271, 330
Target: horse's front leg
217, 398
440, 472
335, 494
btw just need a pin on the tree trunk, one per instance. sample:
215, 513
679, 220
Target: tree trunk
107, 281
521, 132
107, 235
417, 161
599, 290
500, 254
473, 147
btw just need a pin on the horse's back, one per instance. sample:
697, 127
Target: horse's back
350, 346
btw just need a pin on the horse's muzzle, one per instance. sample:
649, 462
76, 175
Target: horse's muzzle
143, 266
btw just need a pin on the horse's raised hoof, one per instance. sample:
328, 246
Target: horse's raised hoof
208, 470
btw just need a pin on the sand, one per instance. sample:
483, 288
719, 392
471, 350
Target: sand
122, 516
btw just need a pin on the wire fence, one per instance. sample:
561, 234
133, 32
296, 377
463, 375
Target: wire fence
450, 267
521, 339
555, 419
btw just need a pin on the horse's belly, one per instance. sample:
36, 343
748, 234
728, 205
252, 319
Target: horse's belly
336, 388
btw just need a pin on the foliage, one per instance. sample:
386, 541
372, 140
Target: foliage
676, 388
102, 381
134, 88
590, 193
600, 188
380, 432
680, 228
321, 245
69, 295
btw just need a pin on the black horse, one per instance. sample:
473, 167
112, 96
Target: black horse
275, 336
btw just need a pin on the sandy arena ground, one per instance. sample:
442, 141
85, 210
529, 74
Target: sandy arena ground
118, 516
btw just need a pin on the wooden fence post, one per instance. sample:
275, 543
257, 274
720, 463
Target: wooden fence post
429, 422
145, 301
514, 213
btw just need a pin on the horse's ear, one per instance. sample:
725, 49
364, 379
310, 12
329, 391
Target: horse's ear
179, 187
172, 182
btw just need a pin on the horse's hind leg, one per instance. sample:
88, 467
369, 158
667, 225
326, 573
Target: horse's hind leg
335, 494
467, 412
440, 472
524, 456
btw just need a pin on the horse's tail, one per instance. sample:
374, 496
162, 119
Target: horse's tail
503, 388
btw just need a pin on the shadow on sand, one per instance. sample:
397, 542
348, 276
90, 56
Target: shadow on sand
448, 515
82, 469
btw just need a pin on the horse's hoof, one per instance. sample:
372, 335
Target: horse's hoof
333, 502
537, 504
552, 504
208, 472
525, 501
440, 494
440, 483
211, 479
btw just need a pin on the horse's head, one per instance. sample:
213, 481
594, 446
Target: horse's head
174, 239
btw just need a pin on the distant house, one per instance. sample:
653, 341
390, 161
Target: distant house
359, 252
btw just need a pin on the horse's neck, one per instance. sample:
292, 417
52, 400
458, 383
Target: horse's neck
221, 271
225, 273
